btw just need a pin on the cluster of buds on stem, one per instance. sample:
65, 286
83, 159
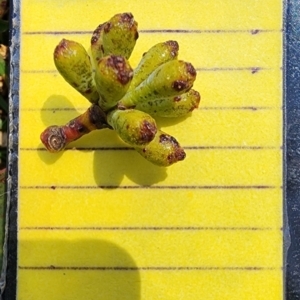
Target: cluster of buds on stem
124, 99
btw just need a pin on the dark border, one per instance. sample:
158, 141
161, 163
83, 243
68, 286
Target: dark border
292, 126
13, 148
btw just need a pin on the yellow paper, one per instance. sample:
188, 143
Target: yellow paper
103, 223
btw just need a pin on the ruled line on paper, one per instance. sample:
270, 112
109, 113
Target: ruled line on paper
216, 31
40, 71
149, 268
166, 30
232, 148
145, 228
252, 108
184, 147
253, 70
161, 187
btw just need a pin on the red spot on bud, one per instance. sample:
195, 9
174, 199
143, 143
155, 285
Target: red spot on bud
179, 85
147, 131
126, 17
96, 34
123, 70
190, 69
107, 26
174, 47
61, 47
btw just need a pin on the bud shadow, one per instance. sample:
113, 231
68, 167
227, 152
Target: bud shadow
108, 169
58, 110
166, 122
111, 166
143, 172
46, 156
89, 268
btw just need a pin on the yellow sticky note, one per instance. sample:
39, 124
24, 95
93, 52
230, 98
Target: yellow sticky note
98, 221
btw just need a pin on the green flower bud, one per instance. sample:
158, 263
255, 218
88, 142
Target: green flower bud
171, 107
163, 150
73, 63
172, 78
134, 127
115, 37
113, 75
153, 58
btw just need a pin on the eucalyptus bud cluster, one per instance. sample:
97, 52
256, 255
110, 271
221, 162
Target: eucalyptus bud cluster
124, 99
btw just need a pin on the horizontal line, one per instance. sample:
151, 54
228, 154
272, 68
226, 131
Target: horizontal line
146, 228
166, 30
184, 147
56, 109
151, 268
83, 149
232, 148
253, 70
251, 108
53, 32
39, 71
215, 31
159, 187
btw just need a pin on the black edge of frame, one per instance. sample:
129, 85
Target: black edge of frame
292, 140
13, 144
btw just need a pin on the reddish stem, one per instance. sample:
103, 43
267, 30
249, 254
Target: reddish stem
56, 138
